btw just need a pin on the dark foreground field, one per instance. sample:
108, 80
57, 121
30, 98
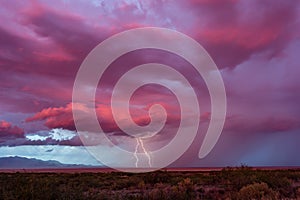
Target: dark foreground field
229, 183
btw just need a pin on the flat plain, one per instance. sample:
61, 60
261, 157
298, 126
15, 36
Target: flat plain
198, 183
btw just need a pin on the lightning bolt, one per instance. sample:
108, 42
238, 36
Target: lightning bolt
135, 152
139, 142
145, 151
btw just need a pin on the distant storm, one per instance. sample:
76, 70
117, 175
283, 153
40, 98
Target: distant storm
255, 45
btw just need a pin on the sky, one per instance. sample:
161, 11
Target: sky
255, 45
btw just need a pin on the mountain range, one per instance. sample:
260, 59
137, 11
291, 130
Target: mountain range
32, 163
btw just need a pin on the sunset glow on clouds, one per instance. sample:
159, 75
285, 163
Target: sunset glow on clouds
255, 44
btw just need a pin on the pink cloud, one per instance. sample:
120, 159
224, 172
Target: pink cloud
55, 41
60, 117
232, 31
8, 130
4, 125
255, 43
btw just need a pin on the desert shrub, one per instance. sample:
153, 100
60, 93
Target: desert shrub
257, 191
230, 183
298, 193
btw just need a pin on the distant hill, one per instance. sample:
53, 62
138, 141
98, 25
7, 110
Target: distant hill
32, 163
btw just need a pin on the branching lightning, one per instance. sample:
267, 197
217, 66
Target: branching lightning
145, 151
139, 142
